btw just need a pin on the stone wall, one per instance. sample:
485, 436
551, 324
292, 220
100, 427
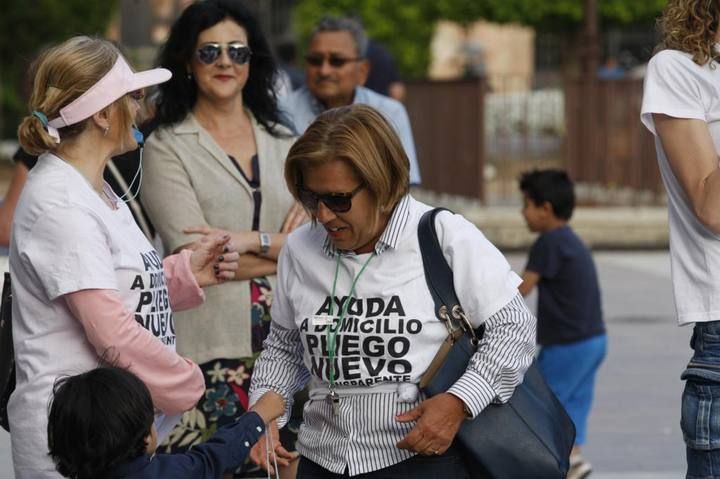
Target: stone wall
504, 54
599, 227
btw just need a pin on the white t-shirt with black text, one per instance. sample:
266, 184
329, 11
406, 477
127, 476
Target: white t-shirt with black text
388, 337
678, 87
65, 239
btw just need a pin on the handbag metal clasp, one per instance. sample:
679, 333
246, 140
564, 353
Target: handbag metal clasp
457, 324
452, 327
459, 314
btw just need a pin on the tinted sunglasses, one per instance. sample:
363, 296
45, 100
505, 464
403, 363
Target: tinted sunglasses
333, 60
238, 52
335, 202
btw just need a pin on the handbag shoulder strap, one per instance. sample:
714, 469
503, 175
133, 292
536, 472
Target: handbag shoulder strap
439, 277
6, 298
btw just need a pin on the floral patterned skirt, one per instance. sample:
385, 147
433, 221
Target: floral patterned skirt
227, 382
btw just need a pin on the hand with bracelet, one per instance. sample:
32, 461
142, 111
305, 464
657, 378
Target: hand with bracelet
260, 243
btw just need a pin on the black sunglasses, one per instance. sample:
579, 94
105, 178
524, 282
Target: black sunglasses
335, 202
238, 52
333, 60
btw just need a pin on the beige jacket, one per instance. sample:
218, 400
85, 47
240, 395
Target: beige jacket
189, 180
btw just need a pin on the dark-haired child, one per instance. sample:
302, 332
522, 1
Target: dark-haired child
570, 327
101, 425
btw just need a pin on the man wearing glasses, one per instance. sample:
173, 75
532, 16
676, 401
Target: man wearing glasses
336, 67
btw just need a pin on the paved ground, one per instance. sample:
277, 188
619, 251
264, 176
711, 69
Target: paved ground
636, 421
634, 426
634, 430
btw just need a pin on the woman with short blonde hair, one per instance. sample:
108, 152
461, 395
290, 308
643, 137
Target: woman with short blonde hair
353, 316
377, 157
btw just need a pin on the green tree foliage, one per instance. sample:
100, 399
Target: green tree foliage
27, 27
406, 26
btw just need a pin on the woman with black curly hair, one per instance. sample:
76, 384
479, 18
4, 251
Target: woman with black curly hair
215, 163
681, 107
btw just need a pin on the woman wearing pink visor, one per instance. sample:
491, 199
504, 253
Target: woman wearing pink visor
87, 284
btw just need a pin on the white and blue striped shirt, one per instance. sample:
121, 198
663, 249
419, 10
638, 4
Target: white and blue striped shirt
389, 337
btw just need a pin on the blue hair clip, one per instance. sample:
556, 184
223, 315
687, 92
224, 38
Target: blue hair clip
52, 131
41, 116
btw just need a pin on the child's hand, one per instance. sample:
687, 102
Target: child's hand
260, 455
270, 406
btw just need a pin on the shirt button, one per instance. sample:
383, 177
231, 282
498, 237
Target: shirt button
247, 444
259, 429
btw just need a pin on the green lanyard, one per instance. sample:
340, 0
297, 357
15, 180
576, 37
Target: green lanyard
343, 311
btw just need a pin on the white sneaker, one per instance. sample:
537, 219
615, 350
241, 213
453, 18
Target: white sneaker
579, 468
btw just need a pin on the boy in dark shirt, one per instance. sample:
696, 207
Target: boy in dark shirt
570, 328
101, 425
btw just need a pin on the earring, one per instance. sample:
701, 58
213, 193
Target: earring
106, 130
189, 76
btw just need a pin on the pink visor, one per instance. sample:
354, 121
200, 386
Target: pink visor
119, 81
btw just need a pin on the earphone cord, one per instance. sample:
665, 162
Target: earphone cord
139, 173
270, 446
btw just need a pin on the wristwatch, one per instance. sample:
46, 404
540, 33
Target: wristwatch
264, 242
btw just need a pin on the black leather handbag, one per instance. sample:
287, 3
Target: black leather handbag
531, 435
7, 354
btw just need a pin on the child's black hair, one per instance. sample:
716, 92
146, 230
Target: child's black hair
553, 186
98, 420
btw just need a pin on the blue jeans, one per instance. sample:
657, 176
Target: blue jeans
570, 370
700, 420
445, 466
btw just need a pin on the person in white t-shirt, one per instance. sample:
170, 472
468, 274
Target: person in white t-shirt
358, 266
87, 285
681, 107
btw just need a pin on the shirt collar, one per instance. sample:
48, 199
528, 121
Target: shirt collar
391, 235
318, 107
315, 105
